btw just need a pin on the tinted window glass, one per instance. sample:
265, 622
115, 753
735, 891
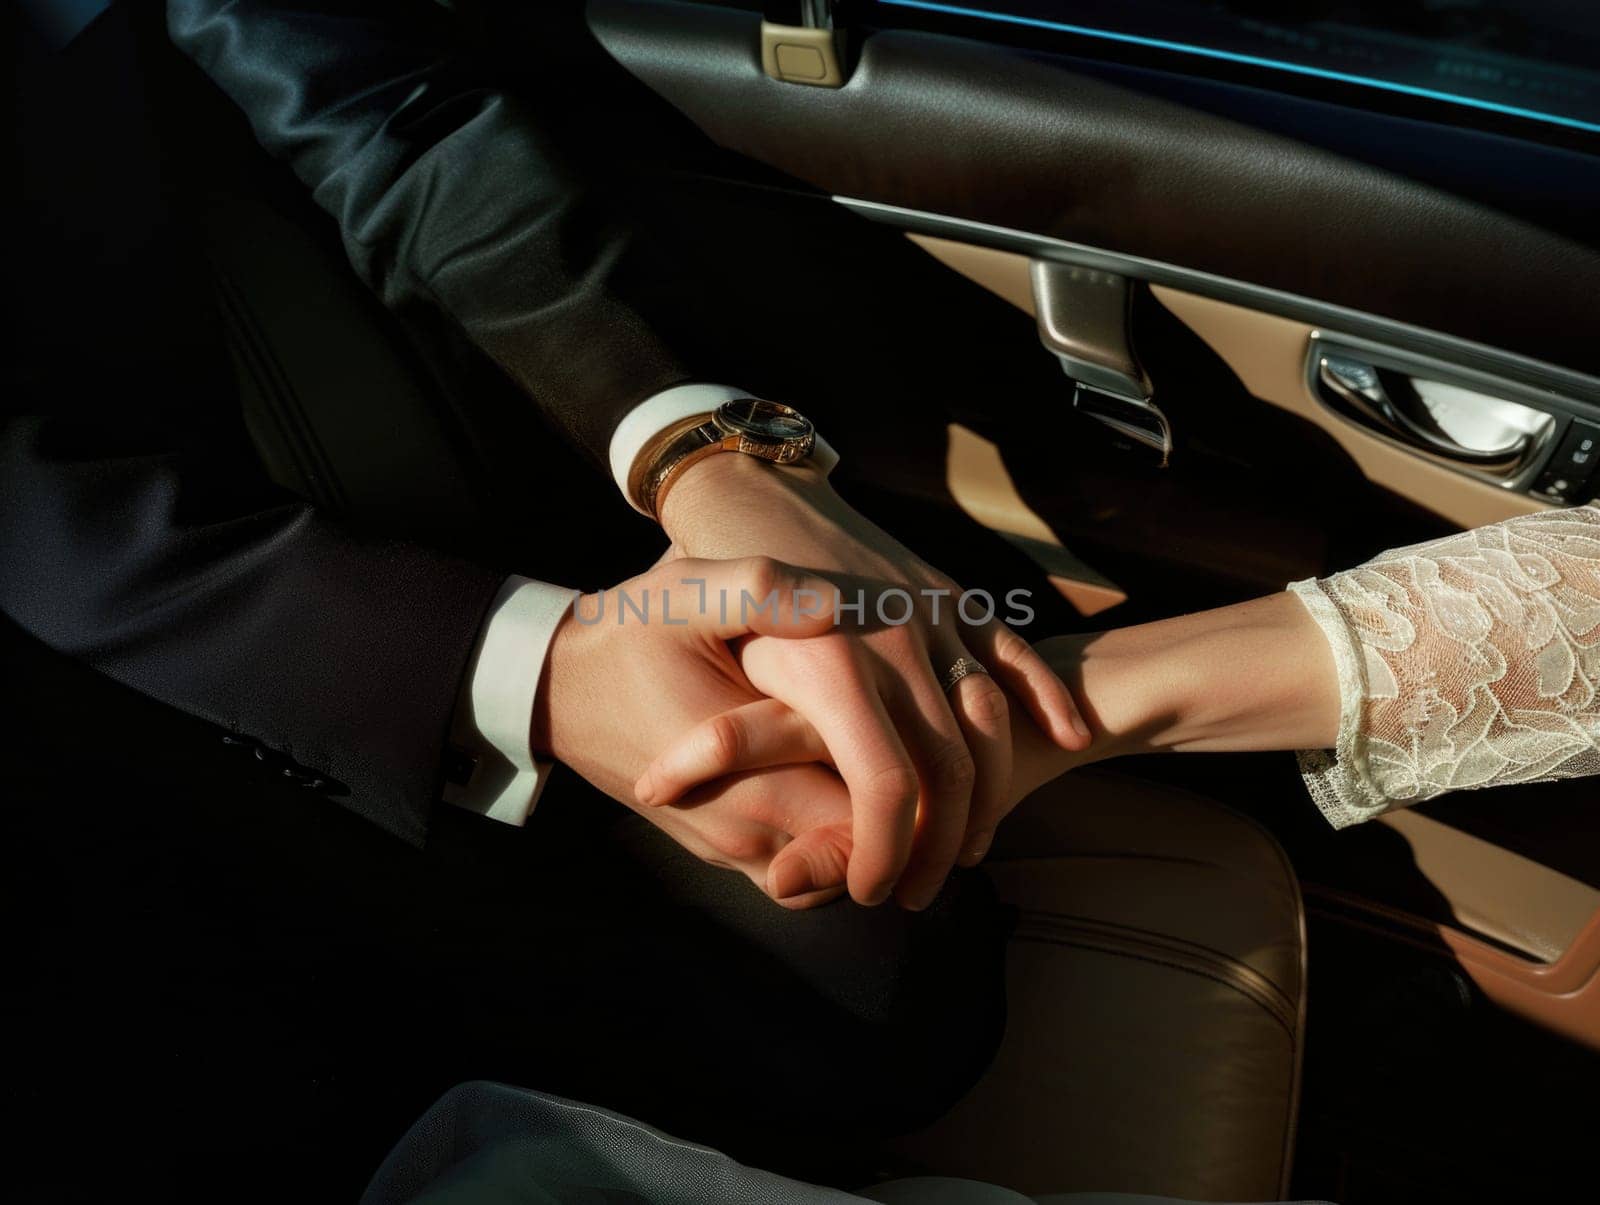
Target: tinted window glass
1538, 59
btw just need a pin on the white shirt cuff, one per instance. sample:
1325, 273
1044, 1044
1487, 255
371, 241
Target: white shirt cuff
655, 414
493, 719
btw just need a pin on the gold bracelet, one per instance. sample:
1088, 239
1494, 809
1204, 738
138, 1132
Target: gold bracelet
760, 433
664, 458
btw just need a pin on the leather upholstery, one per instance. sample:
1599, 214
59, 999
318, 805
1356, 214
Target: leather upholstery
1041, 144
1156, 1002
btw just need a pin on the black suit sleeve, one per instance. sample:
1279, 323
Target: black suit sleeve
450, 194
339, 657
138, 531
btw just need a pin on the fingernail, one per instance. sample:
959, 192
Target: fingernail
977, 848
1081, 728
645, 790
785, 880
878, 897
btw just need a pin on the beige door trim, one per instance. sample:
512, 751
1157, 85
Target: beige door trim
1516, 901
1267, 353
977, 478
1561, 996
1494, 892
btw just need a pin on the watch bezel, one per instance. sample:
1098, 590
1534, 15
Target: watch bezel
764, 443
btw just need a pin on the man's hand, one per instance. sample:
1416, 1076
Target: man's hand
768, 733
631, 669
929, 775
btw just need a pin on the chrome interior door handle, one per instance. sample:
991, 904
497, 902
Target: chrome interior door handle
1389, 403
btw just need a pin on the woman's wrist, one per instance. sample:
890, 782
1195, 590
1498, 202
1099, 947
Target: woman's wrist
1254, 676
1110, 676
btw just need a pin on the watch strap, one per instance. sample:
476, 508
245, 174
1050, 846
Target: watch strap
662, 458
664, 461
786, 452
641, 428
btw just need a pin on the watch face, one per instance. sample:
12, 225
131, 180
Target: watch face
767, 422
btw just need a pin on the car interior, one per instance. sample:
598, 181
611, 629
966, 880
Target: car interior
1176, 303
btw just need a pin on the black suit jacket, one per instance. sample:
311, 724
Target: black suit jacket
137, 534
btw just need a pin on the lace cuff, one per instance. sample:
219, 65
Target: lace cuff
1470, 661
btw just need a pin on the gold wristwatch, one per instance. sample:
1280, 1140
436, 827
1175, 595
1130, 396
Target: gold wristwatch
768, 430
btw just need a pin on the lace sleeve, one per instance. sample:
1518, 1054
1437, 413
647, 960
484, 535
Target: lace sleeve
1470, 661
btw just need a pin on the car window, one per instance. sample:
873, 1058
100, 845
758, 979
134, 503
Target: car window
1534, 59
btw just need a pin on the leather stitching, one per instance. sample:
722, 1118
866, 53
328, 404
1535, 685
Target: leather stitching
1168, 952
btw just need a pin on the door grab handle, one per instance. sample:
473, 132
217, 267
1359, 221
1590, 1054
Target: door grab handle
1084, 317
1356, 386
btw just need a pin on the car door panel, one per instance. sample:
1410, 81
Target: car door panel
1028, 142
1268, 352
1005, 151
1251, 223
